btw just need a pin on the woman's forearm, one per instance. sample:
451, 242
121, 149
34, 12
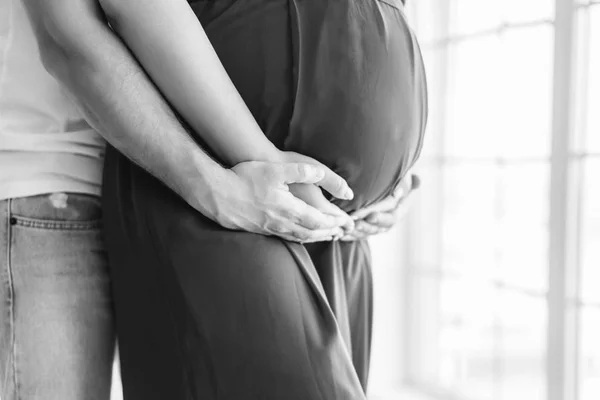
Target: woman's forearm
173, 48
117, 99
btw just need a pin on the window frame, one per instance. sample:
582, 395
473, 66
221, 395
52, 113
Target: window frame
562, 330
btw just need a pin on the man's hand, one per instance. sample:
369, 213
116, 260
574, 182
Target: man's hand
313, 196
119, 100
254, 197
382, 216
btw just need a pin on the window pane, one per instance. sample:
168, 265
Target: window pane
466, 339
490, 343
424, 330
521, 336
495, 223
433, 59
470, 227
429, 19
530, 10
465, 301
482, 234
525, 102
471, 16
523, 239
426, 211
499, 99
589, 358
593, 86
590, 232
473, 98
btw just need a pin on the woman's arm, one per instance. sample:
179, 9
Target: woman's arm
79, 49
168, 40
171, 44
382, 216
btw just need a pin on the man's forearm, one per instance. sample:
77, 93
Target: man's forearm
186, 68
118, 99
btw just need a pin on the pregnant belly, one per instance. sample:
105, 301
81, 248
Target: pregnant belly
341, 81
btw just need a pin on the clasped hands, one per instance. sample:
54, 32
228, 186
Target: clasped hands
283, 198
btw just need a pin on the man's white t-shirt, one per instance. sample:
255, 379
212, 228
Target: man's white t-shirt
45, 144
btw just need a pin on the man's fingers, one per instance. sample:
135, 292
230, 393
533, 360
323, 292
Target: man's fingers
316, 174
300, 173
335, 185
311, 218
332, 209
297, 233
331, 182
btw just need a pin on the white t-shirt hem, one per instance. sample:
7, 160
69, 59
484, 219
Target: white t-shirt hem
32, 188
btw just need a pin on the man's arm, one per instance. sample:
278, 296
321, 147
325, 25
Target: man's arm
170, 43
117, 98
185, 67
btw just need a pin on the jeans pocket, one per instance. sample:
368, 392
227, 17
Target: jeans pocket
61, 211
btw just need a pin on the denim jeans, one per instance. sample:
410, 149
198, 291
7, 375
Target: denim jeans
57, 337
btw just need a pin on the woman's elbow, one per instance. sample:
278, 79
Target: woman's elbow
53, 53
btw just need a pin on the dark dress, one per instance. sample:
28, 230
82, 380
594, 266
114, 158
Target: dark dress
208, 313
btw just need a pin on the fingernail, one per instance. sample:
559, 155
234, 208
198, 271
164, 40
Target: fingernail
349, 195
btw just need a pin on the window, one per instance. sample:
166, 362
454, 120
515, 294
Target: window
503, 267
587, 160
